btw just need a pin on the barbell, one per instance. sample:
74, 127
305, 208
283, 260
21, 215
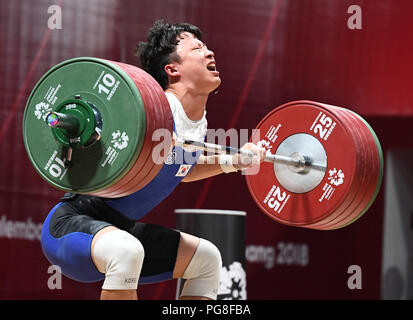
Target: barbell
297, 161
89, 123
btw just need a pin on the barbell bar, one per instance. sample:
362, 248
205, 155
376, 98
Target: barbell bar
298, 161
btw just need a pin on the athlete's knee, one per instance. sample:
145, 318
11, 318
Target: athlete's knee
119, 255
203, 272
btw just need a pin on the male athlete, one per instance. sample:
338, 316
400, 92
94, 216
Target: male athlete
94, 238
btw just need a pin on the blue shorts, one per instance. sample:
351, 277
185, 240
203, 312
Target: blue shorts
70, 226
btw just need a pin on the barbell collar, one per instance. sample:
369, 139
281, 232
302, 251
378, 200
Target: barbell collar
75, 123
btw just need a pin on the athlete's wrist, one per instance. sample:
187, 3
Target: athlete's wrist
226, 163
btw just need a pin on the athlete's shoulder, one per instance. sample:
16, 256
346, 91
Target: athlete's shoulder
173, 101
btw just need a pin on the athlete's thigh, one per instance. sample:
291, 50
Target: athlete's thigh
186, 250
66, 242
167, 251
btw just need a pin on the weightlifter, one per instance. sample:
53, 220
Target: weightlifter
94, 238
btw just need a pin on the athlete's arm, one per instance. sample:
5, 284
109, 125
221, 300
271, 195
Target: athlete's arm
208, 166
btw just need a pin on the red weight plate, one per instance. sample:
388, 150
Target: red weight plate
302, 209
361, 211
152, 166
158, 115
371, 174
354, 191
377, 154
144, 165
162, 110
160, 107
364, 200
156, 160
363, 188
346, 211
145, 152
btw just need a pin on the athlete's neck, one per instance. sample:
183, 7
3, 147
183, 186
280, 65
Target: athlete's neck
194, 104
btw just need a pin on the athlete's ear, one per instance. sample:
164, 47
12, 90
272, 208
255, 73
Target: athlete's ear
171, 70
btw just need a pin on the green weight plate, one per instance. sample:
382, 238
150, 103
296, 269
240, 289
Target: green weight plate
117, 99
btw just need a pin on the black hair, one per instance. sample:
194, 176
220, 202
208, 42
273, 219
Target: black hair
159, 50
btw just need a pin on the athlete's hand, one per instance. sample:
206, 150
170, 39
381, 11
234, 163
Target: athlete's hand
241, 161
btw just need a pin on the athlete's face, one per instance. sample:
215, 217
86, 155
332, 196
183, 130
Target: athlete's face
196, 67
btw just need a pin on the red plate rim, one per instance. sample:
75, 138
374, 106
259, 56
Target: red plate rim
372, 174
349, 210
144, 168
356, 183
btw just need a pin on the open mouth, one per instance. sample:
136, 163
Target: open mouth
212, 67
